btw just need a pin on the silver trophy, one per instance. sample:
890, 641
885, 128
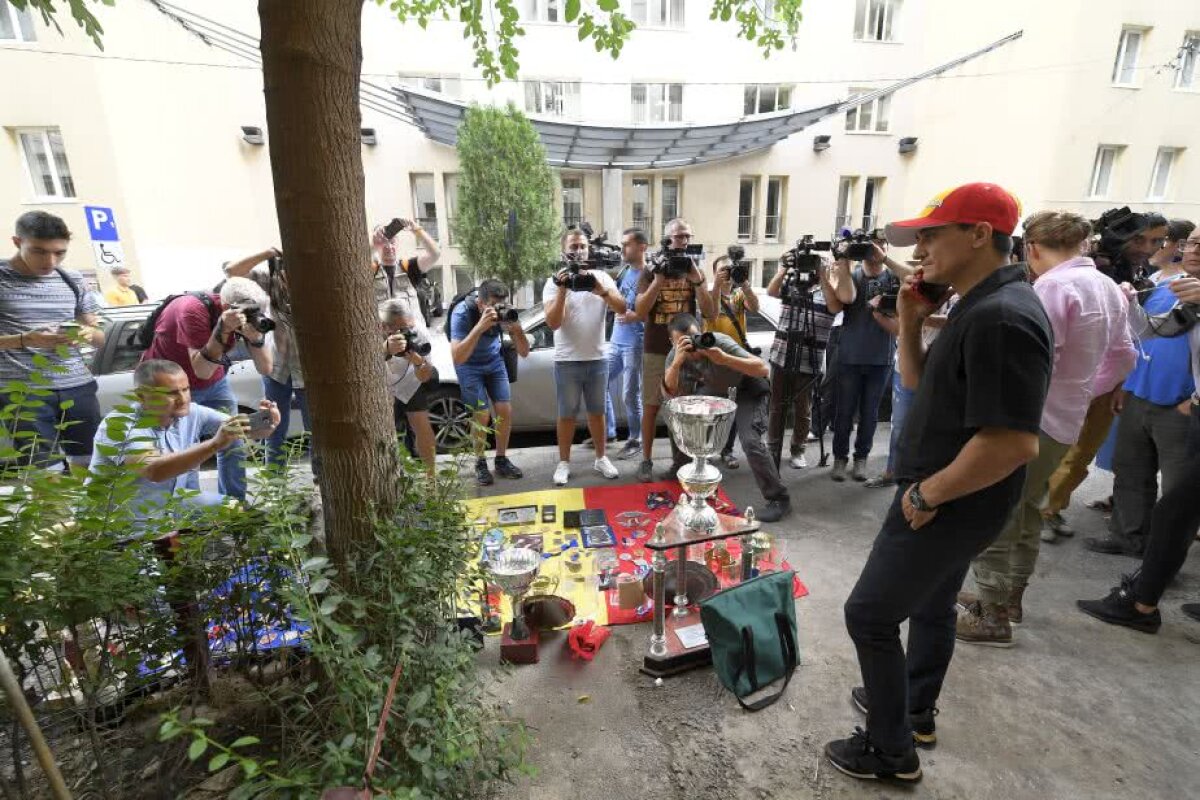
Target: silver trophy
514, 570
700, 425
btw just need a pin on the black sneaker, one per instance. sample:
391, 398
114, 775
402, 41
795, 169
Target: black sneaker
858, 757
505, 468
1118, 609
1114, 545
775, 510
483, 476
924, 728
1192, 610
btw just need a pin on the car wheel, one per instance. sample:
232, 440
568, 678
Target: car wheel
450, 418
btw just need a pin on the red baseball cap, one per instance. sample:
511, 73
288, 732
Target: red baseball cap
967, 204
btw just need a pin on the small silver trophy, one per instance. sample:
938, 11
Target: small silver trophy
700, 425
514, 570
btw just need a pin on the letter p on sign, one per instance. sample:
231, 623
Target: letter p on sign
102, 225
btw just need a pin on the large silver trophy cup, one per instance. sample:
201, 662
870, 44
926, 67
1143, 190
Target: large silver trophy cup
700, 426
514, 570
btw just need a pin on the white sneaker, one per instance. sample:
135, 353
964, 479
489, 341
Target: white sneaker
605, 468
798, 462
562, 473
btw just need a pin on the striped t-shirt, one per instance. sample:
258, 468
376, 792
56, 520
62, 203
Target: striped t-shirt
29, 302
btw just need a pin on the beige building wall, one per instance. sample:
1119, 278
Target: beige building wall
152, 127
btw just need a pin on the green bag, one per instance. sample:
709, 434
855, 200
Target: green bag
751, 630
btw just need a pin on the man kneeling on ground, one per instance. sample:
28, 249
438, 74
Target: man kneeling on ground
714, 371
181, 437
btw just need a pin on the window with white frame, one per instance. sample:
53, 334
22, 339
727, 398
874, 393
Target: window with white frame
541, 11
15, 25
1128, 49
845, 203
552, 98
657, 13
46, 160
871, 116
1185, 65
763, 98
450, 180
769, 267
776, 188
572, 200
871, 200
446, 84
424, 204
670, 199
876, 20
656, 102
1160, 177
1102, 170
747, 209
643, 205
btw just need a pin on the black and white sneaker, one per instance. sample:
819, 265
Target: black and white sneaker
924, 728
483, 475
859, 758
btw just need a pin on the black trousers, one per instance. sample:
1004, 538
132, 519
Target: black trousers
1173, 524
916, 575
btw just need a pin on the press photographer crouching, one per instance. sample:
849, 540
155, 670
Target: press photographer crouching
475, 326
808, 307
712, 364
409, 374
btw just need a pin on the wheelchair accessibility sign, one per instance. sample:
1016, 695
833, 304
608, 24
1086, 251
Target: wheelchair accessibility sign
106, 242
108, 254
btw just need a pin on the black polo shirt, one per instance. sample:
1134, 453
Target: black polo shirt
988, 368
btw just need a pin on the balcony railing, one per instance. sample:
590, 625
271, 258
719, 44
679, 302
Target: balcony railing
774, 227
746, 227
647, 225
430, 224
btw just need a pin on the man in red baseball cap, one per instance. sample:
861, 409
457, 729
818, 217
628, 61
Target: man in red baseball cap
972, 427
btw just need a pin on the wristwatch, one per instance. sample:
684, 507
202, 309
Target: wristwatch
917, 500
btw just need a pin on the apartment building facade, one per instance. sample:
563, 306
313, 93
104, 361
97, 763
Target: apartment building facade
164, 133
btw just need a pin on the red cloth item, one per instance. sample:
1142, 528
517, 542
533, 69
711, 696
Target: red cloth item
586, 638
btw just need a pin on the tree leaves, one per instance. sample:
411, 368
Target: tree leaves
571, 11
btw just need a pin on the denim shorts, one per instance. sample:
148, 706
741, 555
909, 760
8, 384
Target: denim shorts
575, 379
478, 384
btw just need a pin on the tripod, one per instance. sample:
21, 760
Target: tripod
800, 350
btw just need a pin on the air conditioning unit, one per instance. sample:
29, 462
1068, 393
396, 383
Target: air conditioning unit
368, 136
821, 143
908, 144
252, 135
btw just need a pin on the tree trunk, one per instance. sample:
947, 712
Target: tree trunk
312, 57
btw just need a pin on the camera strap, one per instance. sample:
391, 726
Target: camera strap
727, 310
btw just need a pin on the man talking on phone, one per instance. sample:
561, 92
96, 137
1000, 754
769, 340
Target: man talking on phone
972, 428
45, 313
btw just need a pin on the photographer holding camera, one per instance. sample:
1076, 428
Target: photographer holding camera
475, 327
197, 331
575, 300
866, 348
807, 311
399, 277
713, 364
733, 295
409, 373
673, 284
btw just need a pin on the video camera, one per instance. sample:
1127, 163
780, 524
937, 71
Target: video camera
602, 255
256, 319
672, 263
1119, 224
857, 246
805, 269
577, 278
739, 271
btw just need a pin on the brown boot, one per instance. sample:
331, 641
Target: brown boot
967, 599
984, 624
1016, 614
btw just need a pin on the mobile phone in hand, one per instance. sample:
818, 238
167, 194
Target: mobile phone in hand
69, 328
259, 420
933, 293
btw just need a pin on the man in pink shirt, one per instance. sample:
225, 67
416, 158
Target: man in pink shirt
1093, 352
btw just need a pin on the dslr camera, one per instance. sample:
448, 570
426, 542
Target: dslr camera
739, 271
805, 270
671, 263
856, 246
256, 319
413, 344
506, 313
702, 341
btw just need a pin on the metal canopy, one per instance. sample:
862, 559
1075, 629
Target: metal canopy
580, 145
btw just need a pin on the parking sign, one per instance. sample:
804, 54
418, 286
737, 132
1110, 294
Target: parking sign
102, 225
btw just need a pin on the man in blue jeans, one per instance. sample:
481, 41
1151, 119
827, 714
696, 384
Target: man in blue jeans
44, 307
625, 347
197, 332
575, 300
475, 330
865, 353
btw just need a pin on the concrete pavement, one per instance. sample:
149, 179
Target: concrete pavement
1077, 709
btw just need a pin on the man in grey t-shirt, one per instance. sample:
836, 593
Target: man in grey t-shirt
714, 371
45, 313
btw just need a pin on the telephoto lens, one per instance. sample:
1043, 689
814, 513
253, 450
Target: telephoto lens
415, 345
703, 341
505, 312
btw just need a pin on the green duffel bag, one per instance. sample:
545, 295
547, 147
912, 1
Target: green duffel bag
751, 630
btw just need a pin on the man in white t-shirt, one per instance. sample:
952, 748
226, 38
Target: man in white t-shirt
576, 300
